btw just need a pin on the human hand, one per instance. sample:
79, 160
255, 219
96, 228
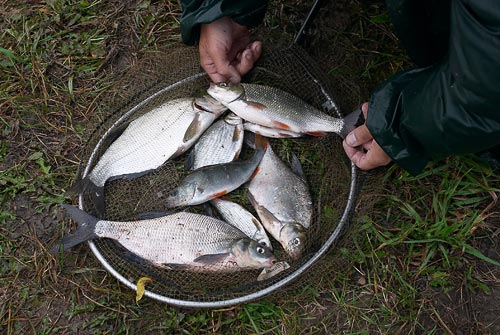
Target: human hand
362, 149
226, 52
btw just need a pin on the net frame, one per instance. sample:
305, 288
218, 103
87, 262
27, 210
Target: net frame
199, 300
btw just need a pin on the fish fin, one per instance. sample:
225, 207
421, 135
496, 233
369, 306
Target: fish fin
219, 194
193, 128
281, 125
236, 134
256, 105
351, 121
264, 214
189, 163
85, 231
254, 173
208, 209
249, 139
297, 167
261, 142
77, 188
211, 259
315, 133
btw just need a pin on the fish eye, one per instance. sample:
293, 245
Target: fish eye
296, 241
260, 250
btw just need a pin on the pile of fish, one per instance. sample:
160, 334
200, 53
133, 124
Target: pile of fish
212, 128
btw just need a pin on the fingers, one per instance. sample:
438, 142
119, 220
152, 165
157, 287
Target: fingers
248, 57
358, 136
362, 149
364, 109
368, 160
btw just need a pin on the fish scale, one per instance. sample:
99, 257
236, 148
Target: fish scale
188, 235
271, 107
221, 143
150, 140
293, 112
184, 239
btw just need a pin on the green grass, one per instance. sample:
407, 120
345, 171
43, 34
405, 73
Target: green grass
414, 240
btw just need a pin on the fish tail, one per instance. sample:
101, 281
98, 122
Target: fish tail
351, 121
84, 232
93, 193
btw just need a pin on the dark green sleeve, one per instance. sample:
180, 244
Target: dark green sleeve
452, 107
197, 12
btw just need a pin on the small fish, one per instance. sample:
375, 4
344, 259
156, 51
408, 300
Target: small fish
214, 181
181, 240
270, 132
221, 143
274, 108
282, 200
242, 219
149, 141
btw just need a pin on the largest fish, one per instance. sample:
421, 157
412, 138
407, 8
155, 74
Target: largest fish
185, 240
271, 107
150, 140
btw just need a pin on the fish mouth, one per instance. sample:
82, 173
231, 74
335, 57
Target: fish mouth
272, 261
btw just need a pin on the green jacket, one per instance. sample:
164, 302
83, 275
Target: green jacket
197, 12
449, 104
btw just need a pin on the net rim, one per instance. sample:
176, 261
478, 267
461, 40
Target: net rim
224, 302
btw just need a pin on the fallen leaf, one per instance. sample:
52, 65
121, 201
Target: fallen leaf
140, 287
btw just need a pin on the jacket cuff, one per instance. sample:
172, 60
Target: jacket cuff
196, 13
384, 123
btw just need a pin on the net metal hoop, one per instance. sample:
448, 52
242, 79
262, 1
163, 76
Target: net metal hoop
227, 302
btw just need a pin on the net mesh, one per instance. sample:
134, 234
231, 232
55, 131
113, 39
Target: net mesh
166, 75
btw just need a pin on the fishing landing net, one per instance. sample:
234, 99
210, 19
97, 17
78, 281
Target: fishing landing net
166, 75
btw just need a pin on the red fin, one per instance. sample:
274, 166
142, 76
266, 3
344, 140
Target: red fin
261, 142
315, 133
219, 194
254, 173
281, 125
257, 105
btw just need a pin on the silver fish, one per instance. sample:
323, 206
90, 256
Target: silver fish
242, 219
150, 140
274, 108
185, 240
270, 132
214, 181
282, 201
221, 143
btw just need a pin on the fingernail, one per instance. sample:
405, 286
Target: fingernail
258, 48
248, 55
351, 139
